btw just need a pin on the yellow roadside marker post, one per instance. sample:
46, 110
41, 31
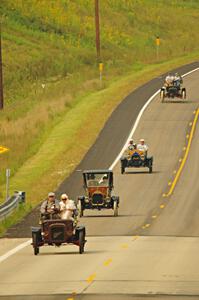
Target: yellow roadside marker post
101, 67
157, 47
3, 149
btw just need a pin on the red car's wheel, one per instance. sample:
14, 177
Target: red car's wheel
35, 245
81, 242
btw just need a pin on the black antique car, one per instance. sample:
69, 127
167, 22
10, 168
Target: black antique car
136, 159
173, 91
56, 233
98, 185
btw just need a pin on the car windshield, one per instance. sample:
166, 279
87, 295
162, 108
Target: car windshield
97, 179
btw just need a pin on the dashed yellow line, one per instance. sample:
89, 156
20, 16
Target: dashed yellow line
124, 246
162, 206
91, 278
186, 154
108, 262
154, 216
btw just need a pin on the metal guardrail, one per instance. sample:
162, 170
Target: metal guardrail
12, 203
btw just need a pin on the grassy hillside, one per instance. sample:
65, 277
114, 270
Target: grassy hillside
49, 65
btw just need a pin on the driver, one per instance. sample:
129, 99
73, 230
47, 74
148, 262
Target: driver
169, 80
142, 146
131, 145
50, 208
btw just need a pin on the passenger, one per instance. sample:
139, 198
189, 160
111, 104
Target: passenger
50, 208
169, 80
68, 209
142, 147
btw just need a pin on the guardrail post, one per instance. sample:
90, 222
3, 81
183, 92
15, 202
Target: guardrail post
7, 183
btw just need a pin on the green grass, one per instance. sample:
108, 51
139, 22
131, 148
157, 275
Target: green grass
54, 45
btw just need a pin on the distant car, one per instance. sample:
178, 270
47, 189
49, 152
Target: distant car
136, 159
98, 185
173, 91
58, 232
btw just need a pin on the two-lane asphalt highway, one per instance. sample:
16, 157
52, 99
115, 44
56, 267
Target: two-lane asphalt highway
164, 127
149, 249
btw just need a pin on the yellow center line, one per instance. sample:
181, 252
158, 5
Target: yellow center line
147, 225
162, 206
124, 246
107, 262
186, 154
91, 278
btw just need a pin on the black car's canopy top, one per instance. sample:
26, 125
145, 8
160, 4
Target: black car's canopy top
101, 171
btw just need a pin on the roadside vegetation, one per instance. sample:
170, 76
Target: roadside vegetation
51, 80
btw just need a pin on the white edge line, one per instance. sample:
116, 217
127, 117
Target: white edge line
137, 122
27, 243
14, 250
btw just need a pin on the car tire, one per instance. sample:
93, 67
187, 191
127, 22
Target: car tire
81, 242
35, 245
115, 208
80, 209
162, 96
183, 94
122, 168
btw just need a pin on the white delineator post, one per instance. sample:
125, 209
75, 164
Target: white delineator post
7, 183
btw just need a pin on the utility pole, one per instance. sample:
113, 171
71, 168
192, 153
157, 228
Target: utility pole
1, 74
97, 28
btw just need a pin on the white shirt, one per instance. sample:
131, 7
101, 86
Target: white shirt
169, 79
67, 209
143, 148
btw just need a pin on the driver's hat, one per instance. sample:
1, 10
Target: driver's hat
51, 194
64, 196
141, 140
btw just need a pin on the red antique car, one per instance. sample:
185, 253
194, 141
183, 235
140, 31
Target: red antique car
58, 232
